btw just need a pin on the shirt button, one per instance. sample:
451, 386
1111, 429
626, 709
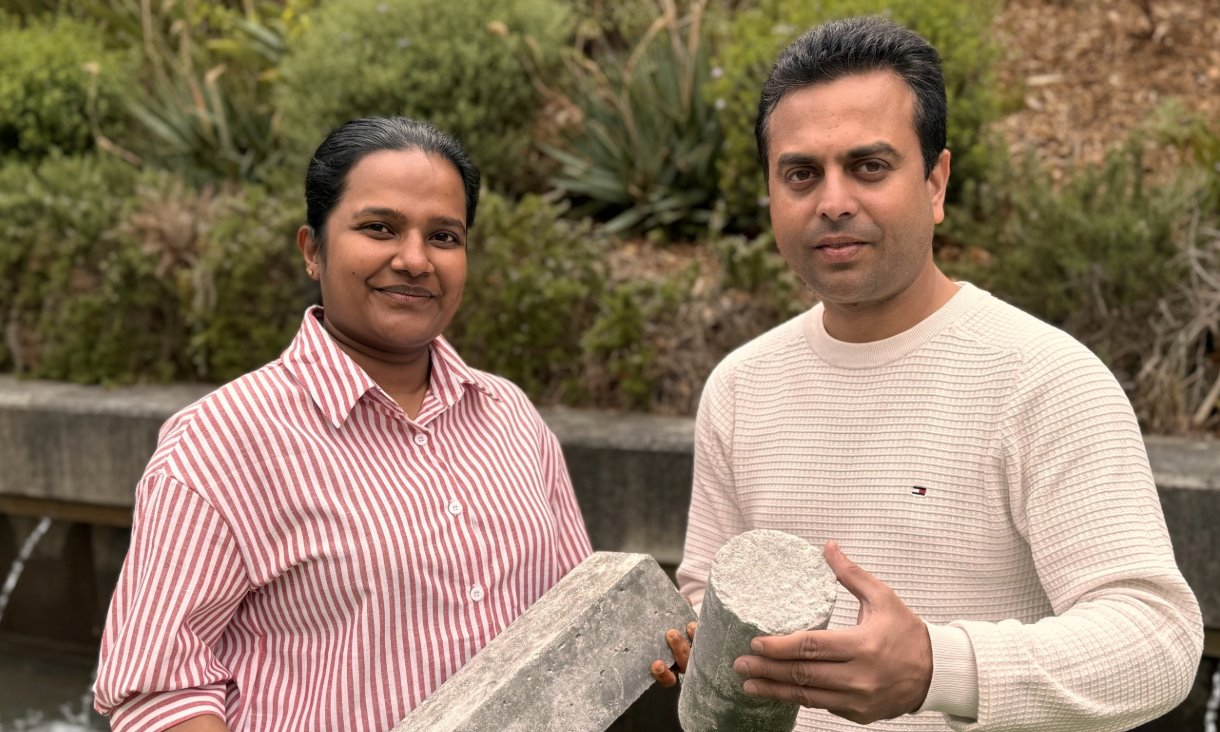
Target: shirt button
421, 439
475, 593
455, 508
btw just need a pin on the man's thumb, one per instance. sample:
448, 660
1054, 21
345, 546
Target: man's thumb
857, 581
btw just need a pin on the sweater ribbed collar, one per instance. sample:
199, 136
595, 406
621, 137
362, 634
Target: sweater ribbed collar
879, 353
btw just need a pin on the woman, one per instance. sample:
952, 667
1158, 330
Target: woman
319, 544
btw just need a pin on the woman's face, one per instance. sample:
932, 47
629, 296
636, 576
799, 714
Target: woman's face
393, 264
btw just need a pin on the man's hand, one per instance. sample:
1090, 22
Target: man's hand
680, 646
879, 669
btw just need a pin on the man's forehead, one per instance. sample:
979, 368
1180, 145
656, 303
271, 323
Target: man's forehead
877, 107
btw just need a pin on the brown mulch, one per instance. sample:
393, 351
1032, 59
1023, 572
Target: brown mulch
1093, 71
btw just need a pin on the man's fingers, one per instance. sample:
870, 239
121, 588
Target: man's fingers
832, 676
858, 581
808, 645
803, 695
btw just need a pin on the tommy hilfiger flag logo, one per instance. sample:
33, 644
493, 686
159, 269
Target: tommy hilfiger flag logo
918, 490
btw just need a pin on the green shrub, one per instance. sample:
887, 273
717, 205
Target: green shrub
109, 276
1196, 136
59, 88
1094, 255
1106, 239
644, 154
534, 284
960, 32
81, 302
244, 294
622, 351
754, 266
459, 65
204, 106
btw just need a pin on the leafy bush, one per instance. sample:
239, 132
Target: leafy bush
59, 89
1106, 240
754, 266
959, 31
80, 302
533, 286
644, 153
459, 65
1114, 257
110, 276
231, 262
1197, 137
622, 349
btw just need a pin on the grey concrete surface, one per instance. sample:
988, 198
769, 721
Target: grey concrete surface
761, 582
574, 662
85, 444
88, 445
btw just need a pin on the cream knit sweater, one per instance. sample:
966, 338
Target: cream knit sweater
989, 469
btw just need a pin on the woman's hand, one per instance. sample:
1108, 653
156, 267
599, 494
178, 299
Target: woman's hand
666, 676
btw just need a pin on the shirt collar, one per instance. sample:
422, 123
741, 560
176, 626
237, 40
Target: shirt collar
336, 383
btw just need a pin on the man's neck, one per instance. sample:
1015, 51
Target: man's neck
868, 322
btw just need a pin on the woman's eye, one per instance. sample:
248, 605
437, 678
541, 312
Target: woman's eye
376, 227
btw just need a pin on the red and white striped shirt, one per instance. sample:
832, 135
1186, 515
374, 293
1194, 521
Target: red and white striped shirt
304, 556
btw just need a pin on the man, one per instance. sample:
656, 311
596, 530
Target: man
984, 467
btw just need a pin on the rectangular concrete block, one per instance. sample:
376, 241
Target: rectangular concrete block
573, 662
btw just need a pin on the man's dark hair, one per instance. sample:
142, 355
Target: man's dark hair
326, 177
840, 48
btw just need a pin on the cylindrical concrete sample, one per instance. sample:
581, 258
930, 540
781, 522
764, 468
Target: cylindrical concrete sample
762, 583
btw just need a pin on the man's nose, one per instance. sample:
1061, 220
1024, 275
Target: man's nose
837, 197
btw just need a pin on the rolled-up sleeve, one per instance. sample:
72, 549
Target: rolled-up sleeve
181, 582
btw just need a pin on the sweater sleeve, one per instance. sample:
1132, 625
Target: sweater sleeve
1126, 635
714, 516
180, 584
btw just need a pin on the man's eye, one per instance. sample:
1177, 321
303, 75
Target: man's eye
800, 175
376, 227
872, 167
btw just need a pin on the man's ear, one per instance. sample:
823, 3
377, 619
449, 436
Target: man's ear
307, 243
938, 182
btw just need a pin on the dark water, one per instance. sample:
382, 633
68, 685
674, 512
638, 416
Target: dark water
46, 688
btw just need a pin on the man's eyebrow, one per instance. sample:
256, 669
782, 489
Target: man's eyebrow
876, 148
796, 159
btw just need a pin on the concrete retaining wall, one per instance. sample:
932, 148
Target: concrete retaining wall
75, 453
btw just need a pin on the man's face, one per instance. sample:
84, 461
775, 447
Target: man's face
850, 207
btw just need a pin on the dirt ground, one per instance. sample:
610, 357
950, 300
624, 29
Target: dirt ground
1089, 72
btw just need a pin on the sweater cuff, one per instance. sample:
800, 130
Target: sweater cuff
955, 678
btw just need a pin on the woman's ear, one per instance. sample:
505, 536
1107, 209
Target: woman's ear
307, 243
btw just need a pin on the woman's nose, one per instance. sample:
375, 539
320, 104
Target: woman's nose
411, 256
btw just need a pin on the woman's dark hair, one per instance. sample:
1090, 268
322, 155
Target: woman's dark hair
326, 177
840, 48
